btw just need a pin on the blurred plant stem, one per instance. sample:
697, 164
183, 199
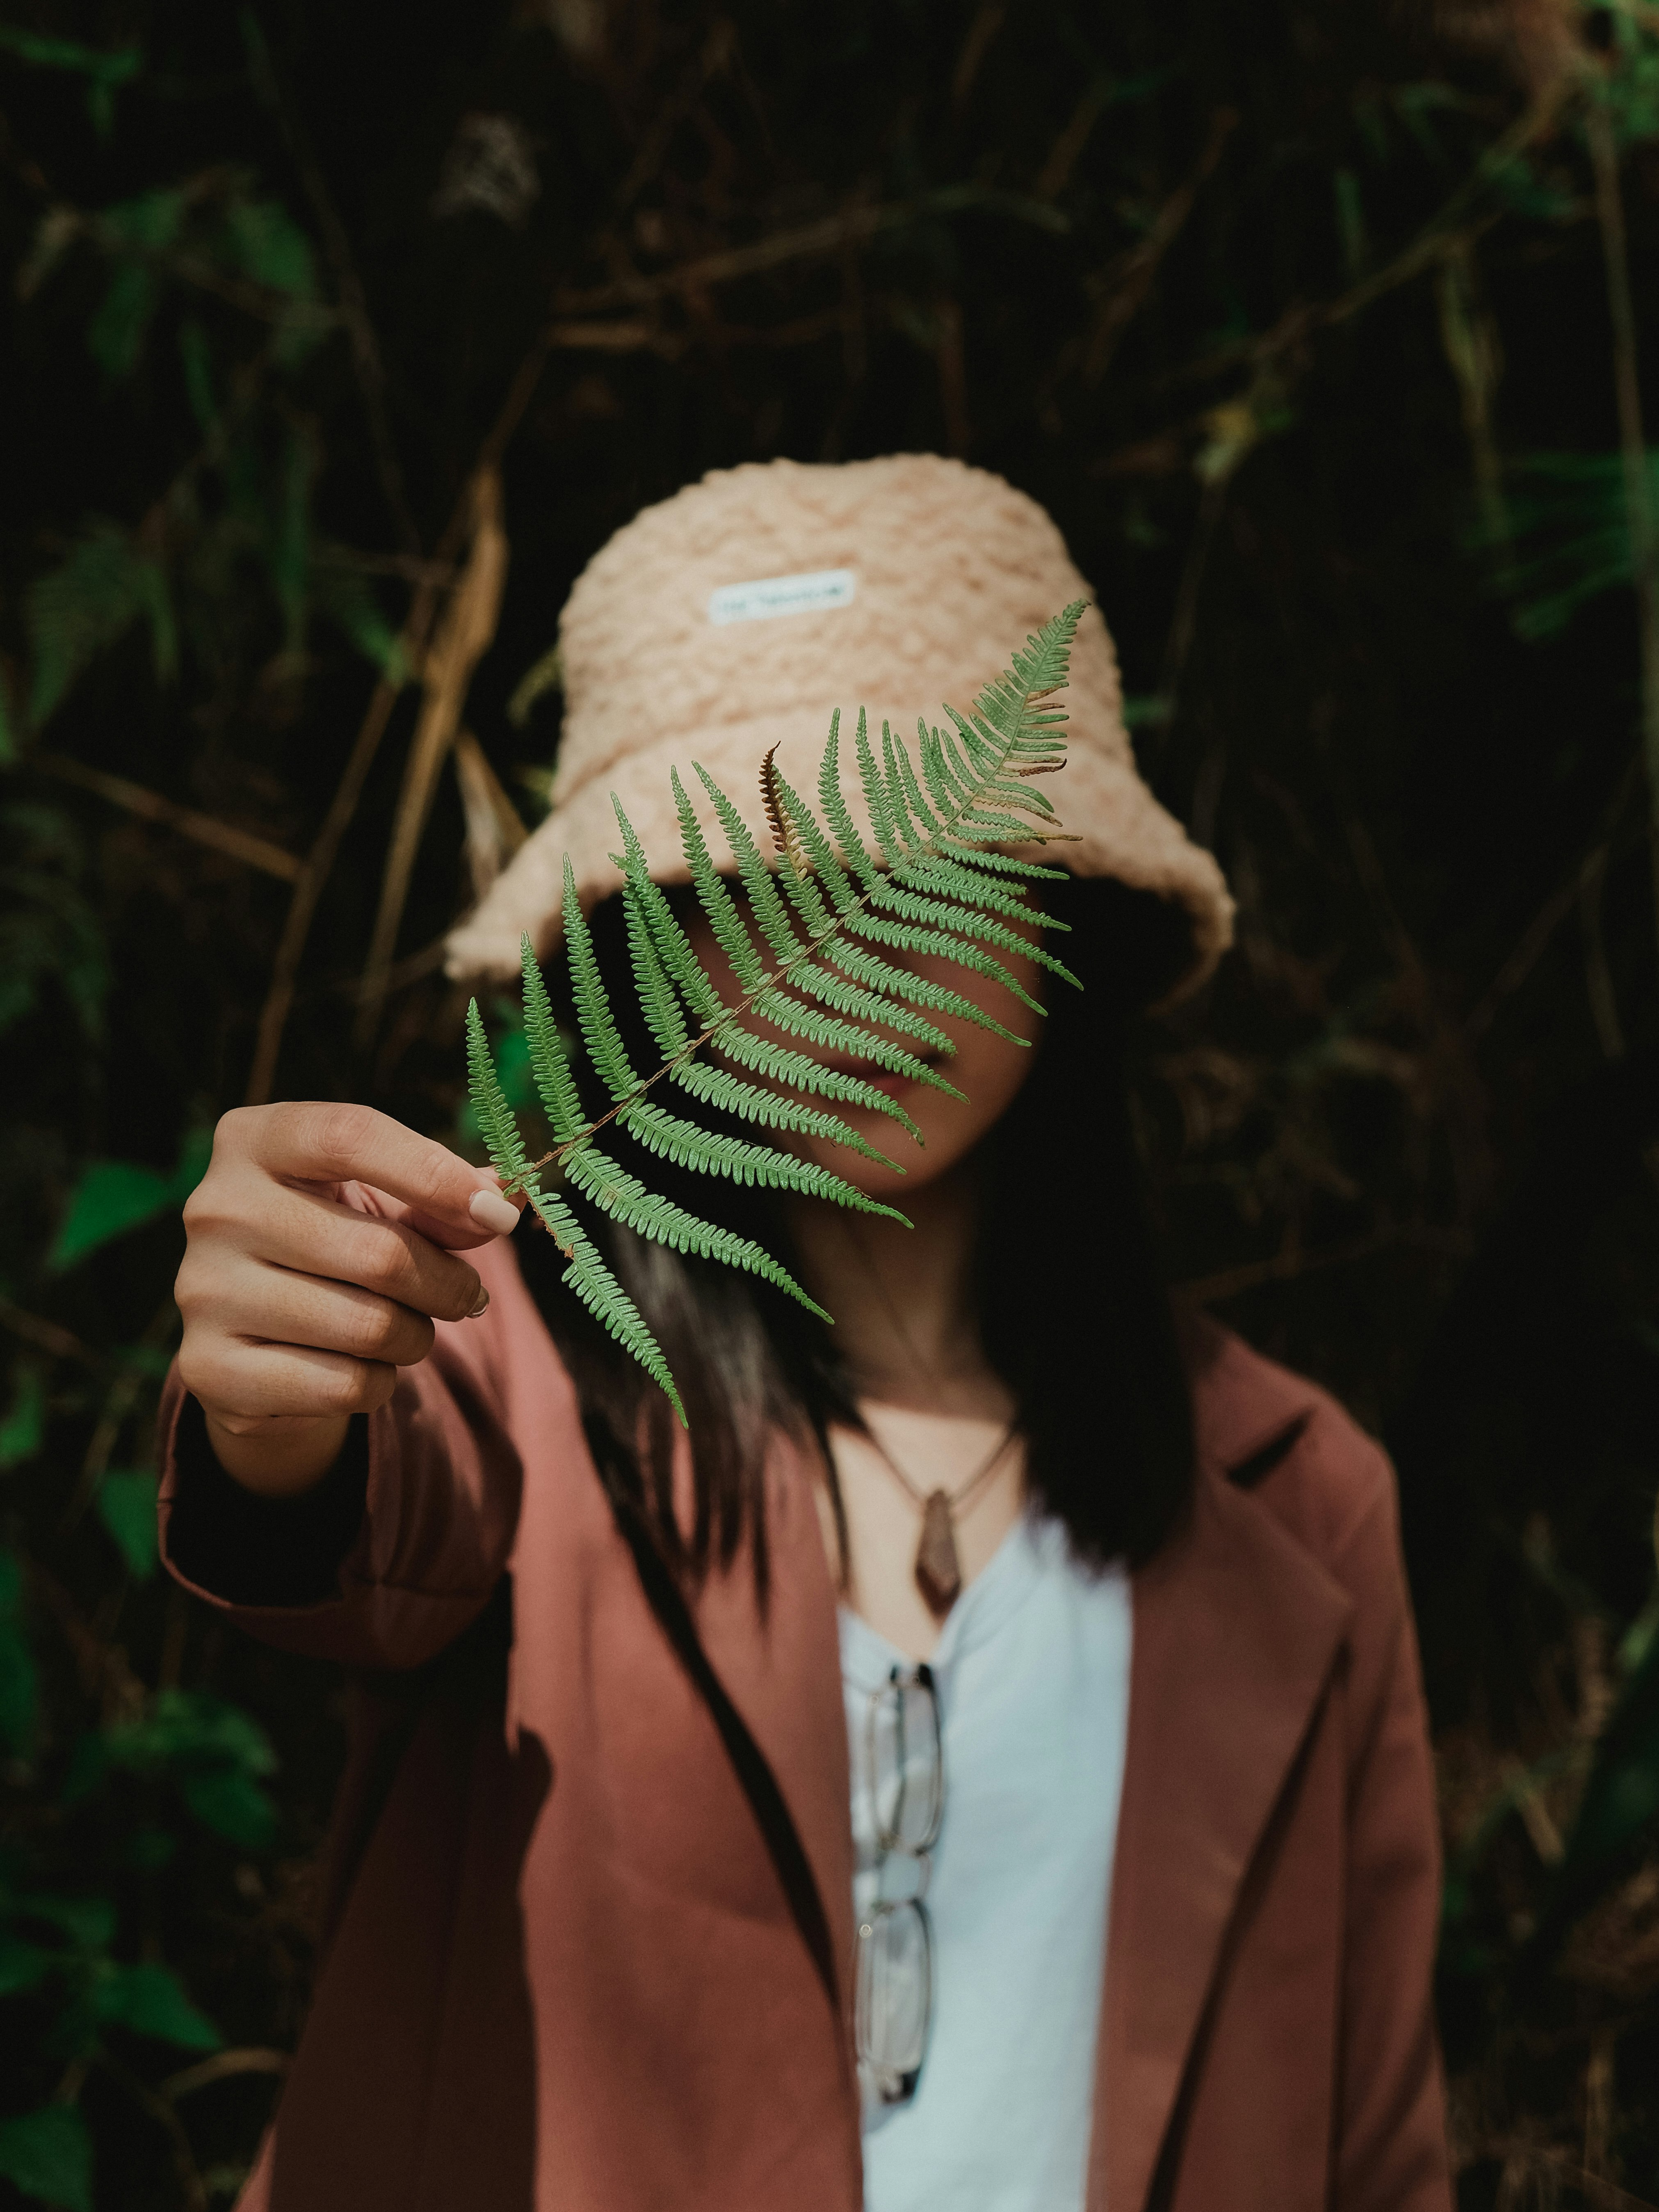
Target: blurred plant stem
463, 636
1638, 495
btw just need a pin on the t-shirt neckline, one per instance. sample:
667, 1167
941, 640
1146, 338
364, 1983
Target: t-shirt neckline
990, 1600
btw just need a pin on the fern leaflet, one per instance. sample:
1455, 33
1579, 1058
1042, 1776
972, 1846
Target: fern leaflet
818, 959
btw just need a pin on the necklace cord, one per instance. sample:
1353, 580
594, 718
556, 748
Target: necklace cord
955, 1500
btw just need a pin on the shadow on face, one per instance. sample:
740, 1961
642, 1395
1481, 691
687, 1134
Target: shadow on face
987, 1064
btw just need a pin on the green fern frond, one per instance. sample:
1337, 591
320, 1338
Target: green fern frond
593, 1015
822, 958
824, 868
625, 1199
604, 1297
496, 1122
674, 949
716, 902
548, 1066
658, 1002
877, 797
828, 1034
771, 1110
800, 1072
994, 863
847, 997
900, 773
768, 908
934, 942
939, 915
837, 814
684, 1144
902, 983
948, 876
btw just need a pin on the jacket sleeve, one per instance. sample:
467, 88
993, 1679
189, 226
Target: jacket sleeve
395, 1551
1391, 2149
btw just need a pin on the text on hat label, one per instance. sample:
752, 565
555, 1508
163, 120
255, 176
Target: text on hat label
768, 596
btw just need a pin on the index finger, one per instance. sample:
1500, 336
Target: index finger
446, 1198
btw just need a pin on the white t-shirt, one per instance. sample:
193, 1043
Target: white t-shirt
1032, 1673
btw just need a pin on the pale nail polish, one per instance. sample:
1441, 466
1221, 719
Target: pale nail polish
484, 1302
492, 1211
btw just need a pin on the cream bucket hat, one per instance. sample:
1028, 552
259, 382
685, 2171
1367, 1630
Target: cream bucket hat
736, 615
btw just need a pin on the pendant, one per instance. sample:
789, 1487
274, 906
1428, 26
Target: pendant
938, 1570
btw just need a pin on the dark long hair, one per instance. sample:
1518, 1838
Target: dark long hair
1072, 1311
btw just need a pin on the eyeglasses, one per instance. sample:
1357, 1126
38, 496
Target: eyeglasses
893, 1968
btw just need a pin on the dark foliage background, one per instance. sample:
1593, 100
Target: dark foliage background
1326, 333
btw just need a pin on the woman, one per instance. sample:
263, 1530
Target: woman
986, 1768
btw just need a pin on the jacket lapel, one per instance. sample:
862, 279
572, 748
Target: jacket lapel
1236, 1630
782, 1673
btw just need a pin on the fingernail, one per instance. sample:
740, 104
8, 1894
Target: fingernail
492, 1211
484, 1301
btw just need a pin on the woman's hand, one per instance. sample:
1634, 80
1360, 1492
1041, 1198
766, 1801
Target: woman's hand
299, 1310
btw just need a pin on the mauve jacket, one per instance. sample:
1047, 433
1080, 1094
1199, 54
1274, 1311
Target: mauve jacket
564, 1967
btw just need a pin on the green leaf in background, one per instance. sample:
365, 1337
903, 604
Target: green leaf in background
1350, 221
196, 359
1631, 86
287, 545
1572, 536
48, 928
148, 1359
126, 1506
1620, 1802
150, 2000
89, 603
216, 1756
193, 1724
104, 72
17, 1680
150, 221
265, 244
89, 1922
48, 2156
1522, 187
133, 231
546, 674
113, 1196
24, 1429
150, 1849
23, 1965
345, 598
116, 335
231, 1803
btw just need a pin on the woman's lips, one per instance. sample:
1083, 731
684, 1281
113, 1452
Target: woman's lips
885, 1079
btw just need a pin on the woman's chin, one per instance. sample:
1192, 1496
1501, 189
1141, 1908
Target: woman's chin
943, 1141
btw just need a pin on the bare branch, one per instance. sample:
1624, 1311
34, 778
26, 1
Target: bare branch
463, 637
206, 830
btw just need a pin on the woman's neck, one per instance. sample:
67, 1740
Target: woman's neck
903, 1298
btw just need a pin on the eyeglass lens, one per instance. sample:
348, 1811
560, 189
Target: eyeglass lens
894, 1993
907, 1765
893, 1999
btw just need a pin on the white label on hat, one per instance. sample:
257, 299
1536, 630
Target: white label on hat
783, 595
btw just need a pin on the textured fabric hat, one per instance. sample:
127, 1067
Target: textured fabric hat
736, 615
